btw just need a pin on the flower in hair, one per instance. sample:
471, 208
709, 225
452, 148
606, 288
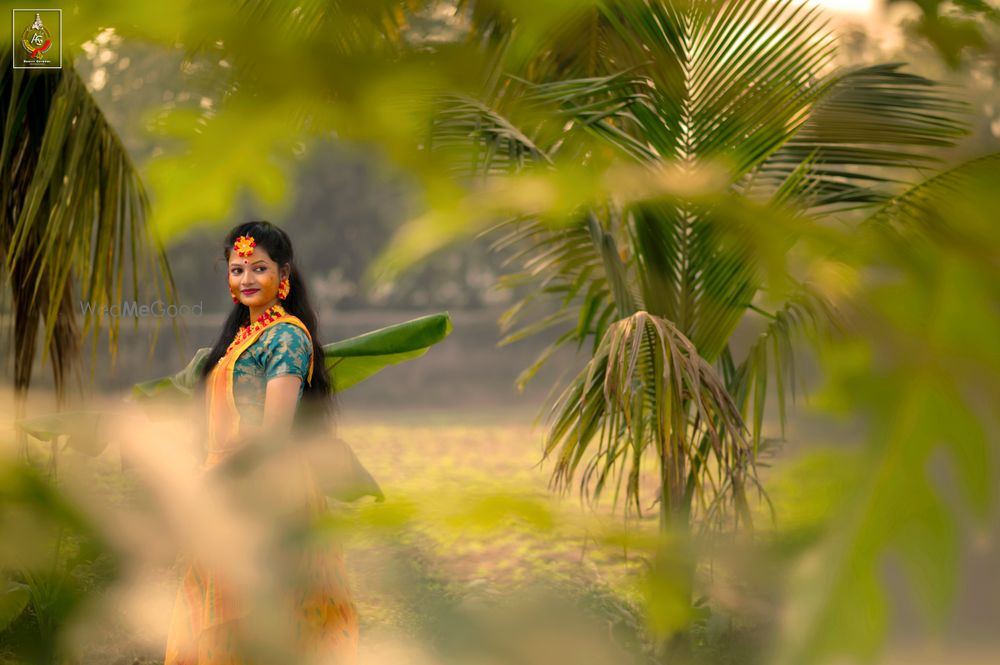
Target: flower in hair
244, 245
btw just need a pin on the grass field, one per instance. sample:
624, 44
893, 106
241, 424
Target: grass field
481, 517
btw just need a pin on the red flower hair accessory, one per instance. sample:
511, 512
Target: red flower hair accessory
244, 245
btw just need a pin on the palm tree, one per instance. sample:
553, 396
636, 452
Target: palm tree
73, 212
658, 284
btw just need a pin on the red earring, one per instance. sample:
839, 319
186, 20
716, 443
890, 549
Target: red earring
283, 288
233, 294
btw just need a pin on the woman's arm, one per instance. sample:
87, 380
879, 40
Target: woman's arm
281, 398
280, 401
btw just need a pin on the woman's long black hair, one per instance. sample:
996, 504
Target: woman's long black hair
317, 405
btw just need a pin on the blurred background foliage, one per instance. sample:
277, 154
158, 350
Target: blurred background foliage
719, 204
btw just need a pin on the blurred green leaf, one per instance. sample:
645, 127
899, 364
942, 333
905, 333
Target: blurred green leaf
808, 490
668, 586
920, 364
14, 598
494, 511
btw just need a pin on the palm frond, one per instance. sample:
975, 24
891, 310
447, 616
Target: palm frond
560, 267
918, 201
73, 213
605, 415
806, 315
869, 124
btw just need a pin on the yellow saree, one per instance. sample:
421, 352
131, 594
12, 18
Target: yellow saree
204, 625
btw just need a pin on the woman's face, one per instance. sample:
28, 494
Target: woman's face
254, 279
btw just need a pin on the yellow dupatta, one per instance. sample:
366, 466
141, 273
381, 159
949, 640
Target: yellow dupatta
223, 416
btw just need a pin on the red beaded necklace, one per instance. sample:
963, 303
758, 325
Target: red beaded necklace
275, 311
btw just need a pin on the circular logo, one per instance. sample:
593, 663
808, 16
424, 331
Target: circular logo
36, 38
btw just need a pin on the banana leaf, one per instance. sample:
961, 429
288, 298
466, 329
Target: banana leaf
349, 361
81, 428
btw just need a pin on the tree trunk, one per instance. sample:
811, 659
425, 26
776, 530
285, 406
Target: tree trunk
673, 559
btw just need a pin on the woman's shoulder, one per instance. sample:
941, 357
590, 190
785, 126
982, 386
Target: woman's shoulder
284, 348
284, 332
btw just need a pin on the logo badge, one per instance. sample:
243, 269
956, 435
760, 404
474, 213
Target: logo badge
37, 38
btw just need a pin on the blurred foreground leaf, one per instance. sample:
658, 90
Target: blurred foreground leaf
351, 361
922, 366
13, 599
48, 548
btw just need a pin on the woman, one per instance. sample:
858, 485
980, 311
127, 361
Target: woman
264, 379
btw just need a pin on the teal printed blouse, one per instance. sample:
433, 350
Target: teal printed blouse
281, 349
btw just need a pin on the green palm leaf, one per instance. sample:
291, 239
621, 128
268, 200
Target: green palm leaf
74, 212
806, 315
870, 124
